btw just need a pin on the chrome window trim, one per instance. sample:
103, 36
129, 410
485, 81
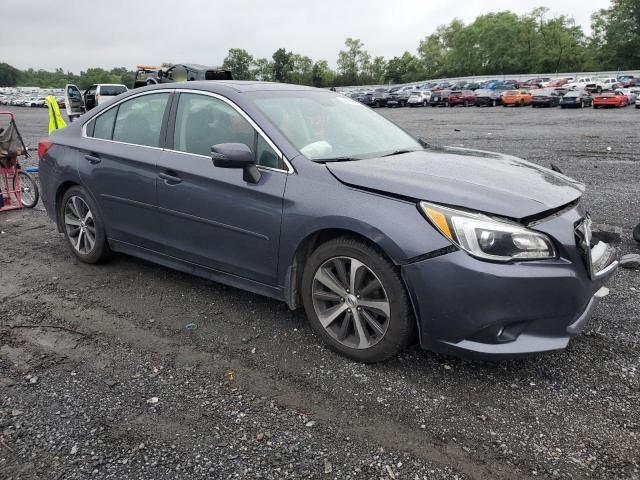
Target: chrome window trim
84, 125
287, 170
264, 136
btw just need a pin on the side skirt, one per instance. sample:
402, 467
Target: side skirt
197, 270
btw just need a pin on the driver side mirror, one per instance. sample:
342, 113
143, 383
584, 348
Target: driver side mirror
236, 155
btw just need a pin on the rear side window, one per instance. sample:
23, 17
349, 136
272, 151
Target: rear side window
111, 90
104, 124
139, 120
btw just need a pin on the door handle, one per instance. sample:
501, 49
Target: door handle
170, 179
92, 159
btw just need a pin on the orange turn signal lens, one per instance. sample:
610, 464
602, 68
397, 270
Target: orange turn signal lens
440, 221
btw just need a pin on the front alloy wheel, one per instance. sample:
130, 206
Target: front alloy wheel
350, 302
356, 301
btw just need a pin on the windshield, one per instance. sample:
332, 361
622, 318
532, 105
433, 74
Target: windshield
325, 127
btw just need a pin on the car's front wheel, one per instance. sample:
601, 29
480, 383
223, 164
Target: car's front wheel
83, 228
356, 301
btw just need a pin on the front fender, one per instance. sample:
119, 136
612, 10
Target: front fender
316, 201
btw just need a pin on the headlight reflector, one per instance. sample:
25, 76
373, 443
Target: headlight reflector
488, 238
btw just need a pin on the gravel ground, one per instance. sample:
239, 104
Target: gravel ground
100, 378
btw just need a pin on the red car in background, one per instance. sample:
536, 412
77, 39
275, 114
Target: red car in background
611, 99
558, 83
462, 97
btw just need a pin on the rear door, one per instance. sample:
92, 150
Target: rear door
210, 215
118, 166
73, 101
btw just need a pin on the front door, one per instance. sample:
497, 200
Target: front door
210, 215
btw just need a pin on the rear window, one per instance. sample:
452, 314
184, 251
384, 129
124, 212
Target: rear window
217, 75
112, 90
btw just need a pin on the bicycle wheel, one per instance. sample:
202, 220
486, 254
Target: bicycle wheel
29, 189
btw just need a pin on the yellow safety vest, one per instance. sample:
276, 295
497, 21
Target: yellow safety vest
56, 122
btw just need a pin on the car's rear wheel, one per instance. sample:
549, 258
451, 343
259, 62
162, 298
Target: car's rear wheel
356, 301
636, 233
581, 103
83, 228
494, 103
466, 103
425, 103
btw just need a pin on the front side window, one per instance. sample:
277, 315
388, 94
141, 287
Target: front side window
203, 121
139, 120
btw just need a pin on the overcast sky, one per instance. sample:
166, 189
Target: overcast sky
75, 34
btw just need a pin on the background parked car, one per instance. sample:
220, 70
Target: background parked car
488, 98
379, 98
462, 97
516, 98
419, 98
545, 98
147, 75
440, 98
398, 97
576, 99
610, 99
627, 81
631, 93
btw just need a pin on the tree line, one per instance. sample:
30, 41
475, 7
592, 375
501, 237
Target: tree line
500, 43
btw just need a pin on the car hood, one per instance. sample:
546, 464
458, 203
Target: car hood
482, 181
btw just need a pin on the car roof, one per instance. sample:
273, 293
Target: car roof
239, 86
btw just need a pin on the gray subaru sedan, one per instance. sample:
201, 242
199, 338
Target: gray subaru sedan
311, 198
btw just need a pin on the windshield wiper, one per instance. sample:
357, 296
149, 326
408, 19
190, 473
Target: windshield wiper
400, 152
337, 159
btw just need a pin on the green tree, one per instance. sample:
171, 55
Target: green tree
262, 70
239, 62
615, 42
322, 75
351, 60
282, 65
8, 75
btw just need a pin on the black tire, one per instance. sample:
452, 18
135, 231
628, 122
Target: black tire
401, 324
425, 104
465, 104
376, 105
28, 185
494, 103
581, 103
636, 233
100, 250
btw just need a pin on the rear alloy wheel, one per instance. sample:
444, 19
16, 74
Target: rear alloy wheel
466, 103
82, 226
581, 103
494, 103
356, 301
424, 104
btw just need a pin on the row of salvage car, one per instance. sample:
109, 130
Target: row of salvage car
606, 92
547, 97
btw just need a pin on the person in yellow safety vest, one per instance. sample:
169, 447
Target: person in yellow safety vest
56, 122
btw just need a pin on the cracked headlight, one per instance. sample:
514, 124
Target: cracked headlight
487, 238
